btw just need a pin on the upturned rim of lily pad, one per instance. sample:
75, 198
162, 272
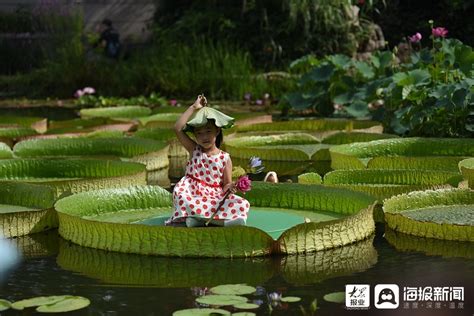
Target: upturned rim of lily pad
205, 114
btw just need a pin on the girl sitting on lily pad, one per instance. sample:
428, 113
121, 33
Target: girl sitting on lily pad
208, 180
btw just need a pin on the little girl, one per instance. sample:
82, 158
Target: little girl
208, 173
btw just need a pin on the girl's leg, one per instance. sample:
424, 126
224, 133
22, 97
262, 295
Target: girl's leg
194, 222
235, 222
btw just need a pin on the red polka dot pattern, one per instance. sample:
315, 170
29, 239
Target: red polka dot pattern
199, 194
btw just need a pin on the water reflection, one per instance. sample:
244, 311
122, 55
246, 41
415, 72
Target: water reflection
430, 246
131, 269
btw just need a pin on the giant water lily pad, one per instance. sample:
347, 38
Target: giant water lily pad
160, 120
5, 151
384, 183
233, 289
154, 154
467, 169
337, 217
9, 133
26, 208
443, 214
75, 126
68, 176
131, 111
405, 153
38, 124
310, 125
221, 300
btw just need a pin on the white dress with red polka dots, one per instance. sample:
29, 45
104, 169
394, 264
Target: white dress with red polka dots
199, 192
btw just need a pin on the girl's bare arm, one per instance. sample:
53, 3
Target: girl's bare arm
183, 138
227, 182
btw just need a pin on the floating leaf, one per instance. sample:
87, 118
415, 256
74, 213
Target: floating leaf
68, 304
243, 314
4, 305
37, 301
233, 289
201, 312
336, 297
246, 306
221, 300
290, 299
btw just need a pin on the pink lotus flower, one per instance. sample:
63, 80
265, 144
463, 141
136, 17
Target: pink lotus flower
243, 184
173, 102
439, 32
258, 102
415, 38
88, 90
79, 93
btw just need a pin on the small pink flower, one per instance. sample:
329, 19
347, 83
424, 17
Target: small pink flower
439, 32
415, 38
79, 93
243, 184
258, 102
173, 102
88, 90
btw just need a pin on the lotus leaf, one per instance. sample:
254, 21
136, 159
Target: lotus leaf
68, 304
290, 299
131, 111
201, 312
4, 305
443, 214
245, 306
221, 300
336, 297
233, 289
206, 113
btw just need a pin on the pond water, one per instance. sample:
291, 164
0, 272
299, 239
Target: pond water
124, 284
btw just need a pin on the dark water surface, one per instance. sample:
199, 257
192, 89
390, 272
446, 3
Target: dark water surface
123, 284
